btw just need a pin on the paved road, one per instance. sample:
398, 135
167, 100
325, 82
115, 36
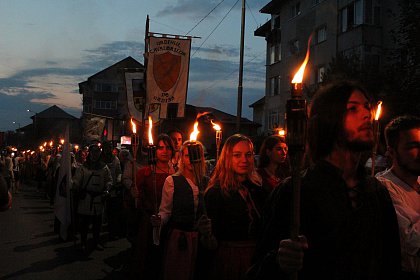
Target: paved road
29, 248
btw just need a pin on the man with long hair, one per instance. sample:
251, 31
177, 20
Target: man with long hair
348, 225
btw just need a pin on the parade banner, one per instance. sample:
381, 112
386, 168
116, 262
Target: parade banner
167, 74
93, 128
62, 205
135, 99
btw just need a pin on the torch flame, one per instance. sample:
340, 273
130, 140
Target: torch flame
194, 134
62, 141
45, 144
215, 126
297, 79
133, 126
378, 111
282, 132
150, 131
51, 143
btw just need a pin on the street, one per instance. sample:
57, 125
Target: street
29, 248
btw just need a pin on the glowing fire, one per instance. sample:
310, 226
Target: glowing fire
378, 111
194, 134
45, 144
215, 126
133, 126
150, 131
297, 79
282, 132
51, 143
62, 141
76, 147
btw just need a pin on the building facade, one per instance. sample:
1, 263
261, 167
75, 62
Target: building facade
105, 98
361, 28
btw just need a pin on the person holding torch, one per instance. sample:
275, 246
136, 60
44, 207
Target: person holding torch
348, 226
181, 209
149, 183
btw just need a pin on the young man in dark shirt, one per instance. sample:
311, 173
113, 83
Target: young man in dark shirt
348, 224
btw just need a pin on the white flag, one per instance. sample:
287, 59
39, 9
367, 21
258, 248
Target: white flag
62, 205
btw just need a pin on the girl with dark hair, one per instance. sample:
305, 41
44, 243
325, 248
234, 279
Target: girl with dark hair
148, 193
273, 163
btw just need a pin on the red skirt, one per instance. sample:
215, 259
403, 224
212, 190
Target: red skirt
180, 255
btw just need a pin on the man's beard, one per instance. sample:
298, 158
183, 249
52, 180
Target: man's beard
359, 146
407, 168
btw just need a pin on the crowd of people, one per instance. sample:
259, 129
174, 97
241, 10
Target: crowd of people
233, 221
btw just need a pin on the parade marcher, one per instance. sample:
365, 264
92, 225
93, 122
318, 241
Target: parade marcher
92, 181
114, 204
348, 224
17, 163
147, 258
181, 208
273, 165
233, 200
177, 139
402, 136
130, 211
5, 196
7, 167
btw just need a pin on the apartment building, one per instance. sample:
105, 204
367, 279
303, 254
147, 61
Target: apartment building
360, 28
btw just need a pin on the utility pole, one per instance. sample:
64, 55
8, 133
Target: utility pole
241, 71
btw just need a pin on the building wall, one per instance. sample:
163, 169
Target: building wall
370, 40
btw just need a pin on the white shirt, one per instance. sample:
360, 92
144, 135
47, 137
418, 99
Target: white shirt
165, 209
407, 206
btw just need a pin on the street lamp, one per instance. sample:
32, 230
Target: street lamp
17, 124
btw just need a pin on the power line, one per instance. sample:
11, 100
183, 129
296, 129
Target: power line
215, 27
204, 17
252, 14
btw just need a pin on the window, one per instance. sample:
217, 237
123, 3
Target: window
294, 47
275, 53
320, 74
106, 87
275, 85
273, 119
105, 105
321, 34
295, 9
351, 16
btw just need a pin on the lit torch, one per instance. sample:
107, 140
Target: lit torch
152, 160
296, 120
218, 138
135, 147
376, 135
195, 156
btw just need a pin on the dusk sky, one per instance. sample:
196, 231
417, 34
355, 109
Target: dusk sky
47, 47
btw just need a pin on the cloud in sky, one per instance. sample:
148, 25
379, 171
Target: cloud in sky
62, 49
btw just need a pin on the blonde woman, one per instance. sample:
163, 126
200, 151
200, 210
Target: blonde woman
180, 210
234, 200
